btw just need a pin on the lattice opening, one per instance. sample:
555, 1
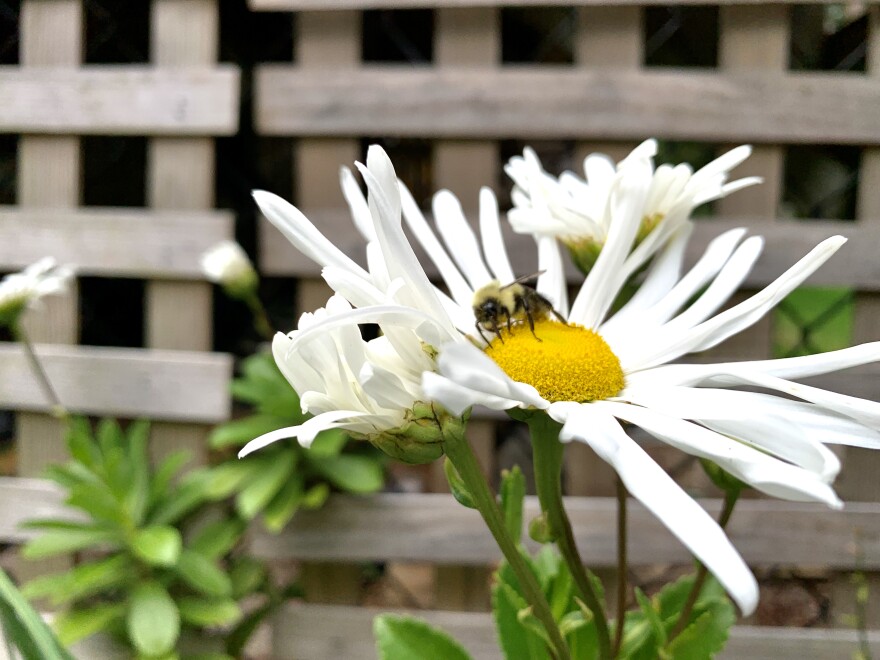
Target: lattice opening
821, 182
538, 34
814, 320
116, 31
8, 149
9, 22
114, 171
111, 312
398, 35
828, 38
681, 36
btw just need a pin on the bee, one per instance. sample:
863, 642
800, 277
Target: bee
495, 304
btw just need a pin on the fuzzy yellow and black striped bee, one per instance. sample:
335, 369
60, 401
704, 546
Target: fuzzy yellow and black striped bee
496, 306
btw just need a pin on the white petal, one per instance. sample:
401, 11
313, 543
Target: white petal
360, 210
305, 433
493, 241
459, 238
457, 398
648, 483
552, 283
385, 387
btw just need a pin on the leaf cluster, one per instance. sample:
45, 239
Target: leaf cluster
282, 478
139, 579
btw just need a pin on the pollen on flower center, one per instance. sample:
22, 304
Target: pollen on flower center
569, 363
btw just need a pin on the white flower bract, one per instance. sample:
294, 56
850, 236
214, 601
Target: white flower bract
19, 291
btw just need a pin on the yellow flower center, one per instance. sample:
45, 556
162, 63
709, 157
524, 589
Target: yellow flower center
569, 363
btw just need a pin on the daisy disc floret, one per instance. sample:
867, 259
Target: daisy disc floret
20, 291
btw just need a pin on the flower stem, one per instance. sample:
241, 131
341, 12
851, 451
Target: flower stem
459, 451
730, 498
57, 409
621, 565
547, 453
261, 318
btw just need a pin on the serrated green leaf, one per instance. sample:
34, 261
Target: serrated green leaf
82, 581
165, 473
158, 545
707, 635
247, 576
513, 492
672, 597
77, 624
652, 616
328, 443
284, 505
241, 431
316, 496
203, 574
352, 473
516, 640
209, 611
153, 620
260, 491
408, 638
216, 539
60, 540
457, 486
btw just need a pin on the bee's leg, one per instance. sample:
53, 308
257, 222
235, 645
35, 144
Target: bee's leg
528, 311
559, 316
480, 330
509, 327
497, 332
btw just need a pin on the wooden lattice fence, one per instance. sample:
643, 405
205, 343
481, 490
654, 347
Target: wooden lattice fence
466, 102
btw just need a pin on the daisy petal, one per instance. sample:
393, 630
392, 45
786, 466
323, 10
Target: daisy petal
493, 241
357, 205
305, 433
648, 483
457, 398
461, 242
551, 281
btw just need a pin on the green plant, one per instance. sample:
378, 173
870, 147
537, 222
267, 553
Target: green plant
140, 579
285, 476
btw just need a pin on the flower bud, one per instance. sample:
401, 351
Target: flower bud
420, 438
227, 264
19, 291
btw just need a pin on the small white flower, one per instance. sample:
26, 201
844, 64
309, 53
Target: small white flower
228, 265
578, 211
19, 291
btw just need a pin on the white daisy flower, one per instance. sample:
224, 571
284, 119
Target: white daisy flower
578, 211
19, 291
596, 372
228, 265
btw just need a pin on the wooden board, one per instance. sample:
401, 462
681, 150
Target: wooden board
435, 528
131, 100
112, 242
312, 5
160, 385
319, 632
554, 102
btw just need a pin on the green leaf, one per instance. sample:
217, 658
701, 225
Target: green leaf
257, 494
707, 635
209, 611
229, 477
71, 475
98, 501
328, 443
138, 493
109, 435
190, 494
76, 537
77, 624
672, 597
216, 539
165, 473
238, 637
513, 492
584, 641
652, 616
203, 575
80, 443
153, 620
516, 641
315, 496
241, 431
408, 638
352, 473
24, 628
457, 486
82, 581
158, 545
284, 505
247, 576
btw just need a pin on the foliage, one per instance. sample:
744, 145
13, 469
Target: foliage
23, 629
140, 579
284, 477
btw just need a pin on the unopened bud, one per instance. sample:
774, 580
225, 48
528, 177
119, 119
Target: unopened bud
420, 438
228, 265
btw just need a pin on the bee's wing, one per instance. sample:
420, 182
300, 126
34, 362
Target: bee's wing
524, 278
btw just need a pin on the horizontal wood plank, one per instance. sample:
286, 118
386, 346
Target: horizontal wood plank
436, 529
329, 5
156, 384
318, 632
113, 242
855, 265
120, 100
557, 102
24, 499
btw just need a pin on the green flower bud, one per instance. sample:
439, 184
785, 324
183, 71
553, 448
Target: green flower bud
420, 438
725, 481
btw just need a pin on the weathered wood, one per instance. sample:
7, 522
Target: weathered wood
786, 242
24, 499
133, 100
549, 102
435, 528
313, 5
162, 385
112, 242
316, 633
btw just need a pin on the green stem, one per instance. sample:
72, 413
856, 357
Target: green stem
57, 408
462, 456
730, 498
547, 453
261, 318
621, 565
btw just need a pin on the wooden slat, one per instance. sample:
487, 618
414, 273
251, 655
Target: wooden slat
24, 499
131, 100
112, 242
435, 528
551, 102
786, 241
162, 385
317, 632
328, 5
